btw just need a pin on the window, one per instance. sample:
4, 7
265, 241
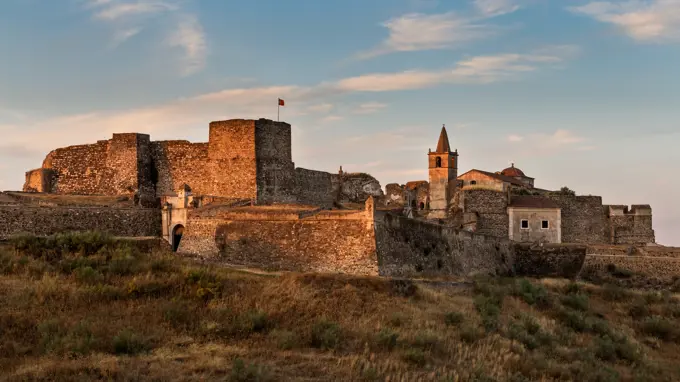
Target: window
422, 205
473, 182
525, 224
438, 162
545, 224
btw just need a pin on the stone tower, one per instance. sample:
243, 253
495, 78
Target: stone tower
443, 166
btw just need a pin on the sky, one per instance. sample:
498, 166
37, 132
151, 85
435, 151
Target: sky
574, 92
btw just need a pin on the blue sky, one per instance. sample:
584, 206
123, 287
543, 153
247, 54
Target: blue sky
576, 93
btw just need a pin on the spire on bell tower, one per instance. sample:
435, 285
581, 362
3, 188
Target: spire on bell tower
443, 145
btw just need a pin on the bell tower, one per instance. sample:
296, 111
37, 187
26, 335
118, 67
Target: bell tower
443, 169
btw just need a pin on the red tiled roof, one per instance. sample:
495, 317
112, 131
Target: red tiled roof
512, 171
415, 184
532, 202
500, 177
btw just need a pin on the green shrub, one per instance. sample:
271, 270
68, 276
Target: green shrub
397, 319
325, 335
285, 339
639, 309
427, 341
470, 334
127, 342
576, 301
55, 337
574, 320
256, 321
454, 318
660, 328
179, 314
489, 308
572, 288
386, 339
88, 275
240, 372
532, 294
614, 348
615, 293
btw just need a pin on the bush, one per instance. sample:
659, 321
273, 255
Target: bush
576, 301
285, 339
489, 309
127, 342
415, 356
470, 334
660, 328
88, 275
57, 338
532, 294
453, 318
325, 335
386, 339
615, 293
612, 348
240, 372
179, 315
426, 341
638, 310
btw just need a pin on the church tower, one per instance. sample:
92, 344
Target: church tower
443, 176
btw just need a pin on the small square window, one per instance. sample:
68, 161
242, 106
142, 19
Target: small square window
545, 224
525, 224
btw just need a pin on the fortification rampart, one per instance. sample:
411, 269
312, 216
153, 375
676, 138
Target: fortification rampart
409, 247
314, 187
181, 162
309, 240
41, 221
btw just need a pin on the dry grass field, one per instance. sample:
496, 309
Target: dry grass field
87, 307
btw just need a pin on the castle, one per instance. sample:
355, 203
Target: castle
507, 204
240, 197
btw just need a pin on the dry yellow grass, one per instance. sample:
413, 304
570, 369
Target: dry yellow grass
94, 309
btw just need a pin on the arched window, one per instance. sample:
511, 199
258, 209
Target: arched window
422, 205
438, 162
473, 182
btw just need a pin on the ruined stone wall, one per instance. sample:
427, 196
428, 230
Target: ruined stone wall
491, 207
275, 167
582, 218
119, 166
632, 226
180, 162
661, 270
408, 247
314, 187
325, 242
394, 195
40, 180
50, 220
355, 187
549, 260
231, 150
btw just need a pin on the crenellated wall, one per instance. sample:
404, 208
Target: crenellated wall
629, 226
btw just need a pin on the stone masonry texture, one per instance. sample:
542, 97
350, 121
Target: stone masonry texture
133, 222
582, 218
491, 207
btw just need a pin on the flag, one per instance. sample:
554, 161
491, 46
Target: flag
281, 103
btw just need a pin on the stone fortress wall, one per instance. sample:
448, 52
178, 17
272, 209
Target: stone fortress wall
244, 159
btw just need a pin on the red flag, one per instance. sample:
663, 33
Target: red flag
281, 103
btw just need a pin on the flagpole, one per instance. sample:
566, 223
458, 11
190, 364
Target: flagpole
278, 111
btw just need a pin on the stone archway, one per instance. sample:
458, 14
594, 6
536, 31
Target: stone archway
177, 233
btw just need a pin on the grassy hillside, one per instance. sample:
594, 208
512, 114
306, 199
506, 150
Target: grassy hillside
85, 307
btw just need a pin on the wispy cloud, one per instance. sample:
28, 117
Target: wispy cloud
332, 118
493, 8
542, 142
128, 18
190, 37
644, 21
419, 31
370, 108
321, 108
481, 69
